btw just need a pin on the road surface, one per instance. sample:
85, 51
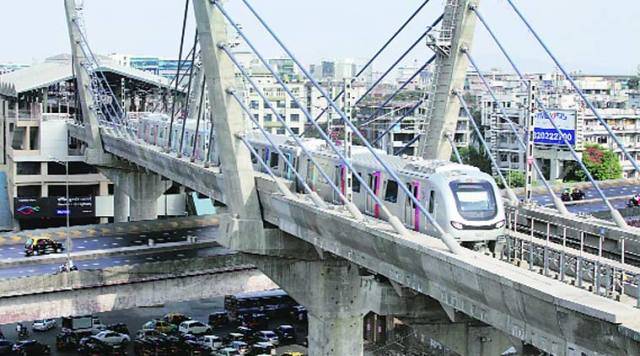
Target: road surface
10, 252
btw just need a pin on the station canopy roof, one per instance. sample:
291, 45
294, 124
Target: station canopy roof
58, 69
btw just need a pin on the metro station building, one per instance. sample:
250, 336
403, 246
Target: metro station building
36, 146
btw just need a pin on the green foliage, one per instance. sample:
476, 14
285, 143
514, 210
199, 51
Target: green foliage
601, 162
473, 157
634, 83
515, 179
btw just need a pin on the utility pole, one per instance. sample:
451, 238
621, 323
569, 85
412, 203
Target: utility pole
348, 139
67, 212
530, 114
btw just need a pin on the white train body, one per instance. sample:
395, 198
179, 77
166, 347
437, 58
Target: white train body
464, 201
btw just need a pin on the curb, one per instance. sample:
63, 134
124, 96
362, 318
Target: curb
100, 230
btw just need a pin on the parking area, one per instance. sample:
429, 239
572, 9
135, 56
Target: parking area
135, 318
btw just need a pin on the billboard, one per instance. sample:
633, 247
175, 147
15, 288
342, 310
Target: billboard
53, 207
28, 208
545, 134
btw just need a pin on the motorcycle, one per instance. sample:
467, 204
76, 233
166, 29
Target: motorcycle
23, 332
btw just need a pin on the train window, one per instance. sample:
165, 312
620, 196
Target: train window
414, 191
355, 183
273, 161
475, 201
432, 201
391, 193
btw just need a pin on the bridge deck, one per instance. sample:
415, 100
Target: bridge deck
532, 307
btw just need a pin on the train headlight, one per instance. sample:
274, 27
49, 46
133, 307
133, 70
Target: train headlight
499, 224
457, 225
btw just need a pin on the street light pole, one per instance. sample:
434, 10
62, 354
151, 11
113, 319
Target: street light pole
67, 208
68, 213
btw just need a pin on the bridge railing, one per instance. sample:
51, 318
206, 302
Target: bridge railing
600, 263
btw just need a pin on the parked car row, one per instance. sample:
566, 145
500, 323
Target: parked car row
173, 334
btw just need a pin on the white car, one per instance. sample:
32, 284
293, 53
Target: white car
213, 342
112, 337
268, 336
194, 327
43, 324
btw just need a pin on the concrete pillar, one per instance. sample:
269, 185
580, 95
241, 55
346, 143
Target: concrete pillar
143, 194
120, 205
143, 190
330, 290
467, 338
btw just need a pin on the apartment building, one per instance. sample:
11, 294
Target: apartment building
609, 94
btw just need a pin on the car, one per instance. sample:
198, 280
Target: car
119, 328
255, 320
240, 346
245, 331
262, 348
213, 342
231, 337
112, 337
218, 319
634, 201
267, 336
152, 342
91, 346
6, 347
42, 246
194, 327
159, 325
286, 334
293, 353
175, 318
43, 324
227, 351
196, 348
68, 339
30, 348
299, 313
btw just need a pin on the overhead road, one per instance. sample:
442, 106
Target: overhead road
125, 287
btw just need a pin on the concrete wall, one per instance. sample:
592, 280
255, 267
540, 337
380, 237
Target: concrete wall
85, 292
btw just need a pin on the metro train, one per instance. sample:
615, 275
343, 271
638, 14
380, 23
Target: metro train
464, 201
154, 129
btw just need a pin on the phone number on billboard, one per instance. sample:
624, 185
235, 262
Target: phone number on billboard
552, 136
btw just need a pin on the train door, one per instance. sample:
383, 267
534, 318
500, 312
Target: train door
411, 211
266, 158
311, 175
338, 180
156, 132
285, 167
372, 208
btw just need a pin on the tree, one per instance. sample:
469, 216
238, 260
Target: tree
473, 157
601, 162
515, 179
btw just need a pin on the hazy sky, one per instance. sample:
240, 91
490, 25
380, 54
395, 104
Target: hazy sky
590, 35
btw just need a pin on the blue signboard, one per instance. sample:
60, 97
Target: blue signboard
544, 132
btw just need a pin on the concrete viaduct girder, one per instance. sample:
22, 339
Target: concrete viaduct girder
538, 310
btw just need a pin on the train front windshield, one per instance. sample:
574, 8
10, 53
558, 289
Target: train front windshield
475, 201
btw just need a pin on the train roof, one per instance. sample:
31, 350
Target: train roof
363, 158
